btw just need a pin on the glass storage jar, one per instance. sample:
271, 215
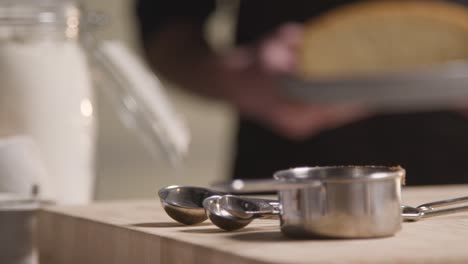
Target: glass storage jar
46, 92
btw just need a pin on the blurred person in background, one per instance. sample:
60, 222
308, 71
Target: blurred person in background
274, 132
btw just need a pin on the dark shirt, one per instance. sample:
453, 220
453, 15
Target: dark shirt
432, 146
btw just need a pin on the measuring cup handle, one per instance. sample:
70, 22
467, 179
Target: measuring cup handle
411, 214
429, 209
432, 213
443, 203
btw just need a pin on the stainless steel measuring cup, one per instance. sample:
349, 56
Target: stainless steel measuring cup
339, 201
350, 202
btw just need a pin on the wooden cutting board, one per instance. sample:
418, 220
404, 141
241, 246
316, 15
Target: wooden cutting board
140, 232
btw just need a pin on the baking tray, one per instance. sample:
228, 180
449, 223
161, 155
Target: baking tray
437, 87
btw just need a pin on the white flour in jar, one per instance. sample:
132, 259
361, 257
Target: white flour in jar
46, 92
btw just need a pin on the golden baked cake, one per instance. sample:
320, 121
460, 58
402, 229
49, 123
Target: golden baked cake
379, 36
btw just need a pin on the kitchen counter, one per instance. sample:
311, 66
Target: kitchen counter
141, 232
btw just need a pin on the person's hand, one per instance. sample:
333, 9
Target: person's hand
249, 79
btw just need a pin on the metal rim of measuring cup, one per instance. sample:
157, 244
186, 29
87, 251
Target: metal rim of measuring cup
309, 177
339, 174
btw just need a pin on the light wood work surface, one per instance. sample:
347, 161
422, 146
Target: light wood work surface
140, 232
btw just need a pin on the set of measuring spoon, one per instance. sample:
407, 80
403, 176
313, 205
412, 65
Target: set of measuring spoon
336, 201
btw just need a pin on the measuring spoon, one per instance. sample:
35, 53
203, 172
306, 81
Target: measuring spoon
185, 203
231, 212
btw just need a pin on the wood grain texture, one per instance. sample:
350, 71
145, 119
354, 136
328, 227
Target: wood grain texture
140, 232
